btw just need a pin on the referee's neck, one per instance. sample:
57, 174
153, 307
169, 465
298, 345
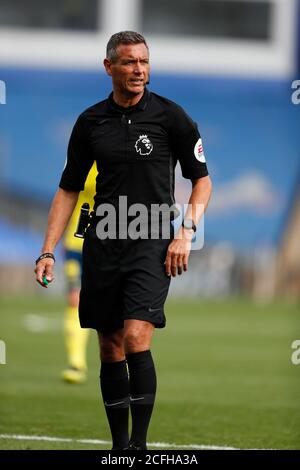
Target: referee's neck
125, 101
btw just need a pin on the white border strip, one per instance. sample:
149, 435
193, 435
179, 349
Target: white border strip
21, 437
194, 55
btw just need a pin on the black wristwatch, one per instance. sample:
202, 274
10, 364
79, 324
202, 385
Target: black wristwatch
189, 224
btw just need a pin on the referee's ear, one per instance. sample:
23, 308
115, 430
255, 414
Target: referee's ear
107, 65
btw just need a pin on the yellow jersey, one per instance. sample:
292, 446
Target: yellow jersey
87, 195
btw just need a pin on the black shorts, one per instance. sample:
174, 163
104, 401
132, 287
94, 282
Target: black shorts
122, 279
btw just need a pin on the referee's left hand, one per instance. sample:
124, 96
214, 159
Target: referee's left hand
178, 253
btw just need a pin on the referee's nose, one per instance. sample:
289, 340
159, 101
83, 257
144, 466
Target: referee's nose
138, 68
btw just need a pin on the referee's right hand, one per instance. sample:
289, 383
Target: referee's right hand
44, 268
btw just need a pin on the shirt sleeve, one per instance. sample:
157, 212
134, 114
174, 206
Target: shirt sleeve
187, 147
79, 159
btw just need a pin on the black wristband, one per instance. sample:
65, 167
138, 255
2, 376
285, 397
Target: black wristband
43, 256
189, 224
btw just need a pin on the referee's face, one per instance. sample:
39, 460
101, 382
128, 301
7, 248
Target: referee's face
130, 71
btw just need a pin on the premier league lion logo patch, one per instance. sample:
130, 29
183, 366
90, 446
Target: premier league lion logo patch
143, 145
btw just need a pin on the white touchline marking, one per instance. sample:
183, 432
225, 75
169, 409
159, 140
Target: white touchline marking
21, 437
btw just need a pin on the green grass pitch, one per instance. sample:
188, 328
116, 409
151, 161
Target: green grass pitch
225, 377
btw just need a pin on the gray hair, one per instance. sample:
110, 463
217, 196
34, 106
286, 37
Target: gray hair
124, 37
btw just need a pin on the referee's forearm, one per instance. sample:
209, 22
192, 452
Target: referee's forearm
199, 199
60, 212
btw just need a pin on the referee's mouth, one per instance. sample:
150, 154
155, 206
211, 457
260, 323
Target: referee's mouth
137, 82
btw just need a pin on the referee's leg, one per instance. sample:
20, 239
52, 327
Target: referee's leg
115, 386
142, 378
118, 392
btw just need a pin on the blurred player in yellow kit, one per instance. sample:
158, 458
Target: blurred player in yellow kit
75, 336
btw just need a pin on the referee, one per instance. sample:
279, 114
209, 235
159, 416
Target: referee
136, 138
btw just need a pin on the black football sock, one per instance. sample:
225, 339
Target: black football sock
115, 392
142, 382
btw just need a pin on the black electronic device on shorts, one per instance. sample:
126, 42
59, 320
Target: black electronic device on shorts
84, 220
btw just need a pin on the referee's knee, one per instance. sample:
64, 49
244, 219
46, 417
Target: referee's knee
137, 340
111, 348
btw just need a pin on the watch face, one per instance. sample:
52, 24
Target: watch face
188, 223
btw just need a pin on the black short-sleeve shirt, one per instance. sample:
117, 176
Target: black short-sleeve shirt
136, 150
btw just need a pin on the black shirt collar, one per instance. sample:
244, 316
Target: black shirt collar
140, 106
